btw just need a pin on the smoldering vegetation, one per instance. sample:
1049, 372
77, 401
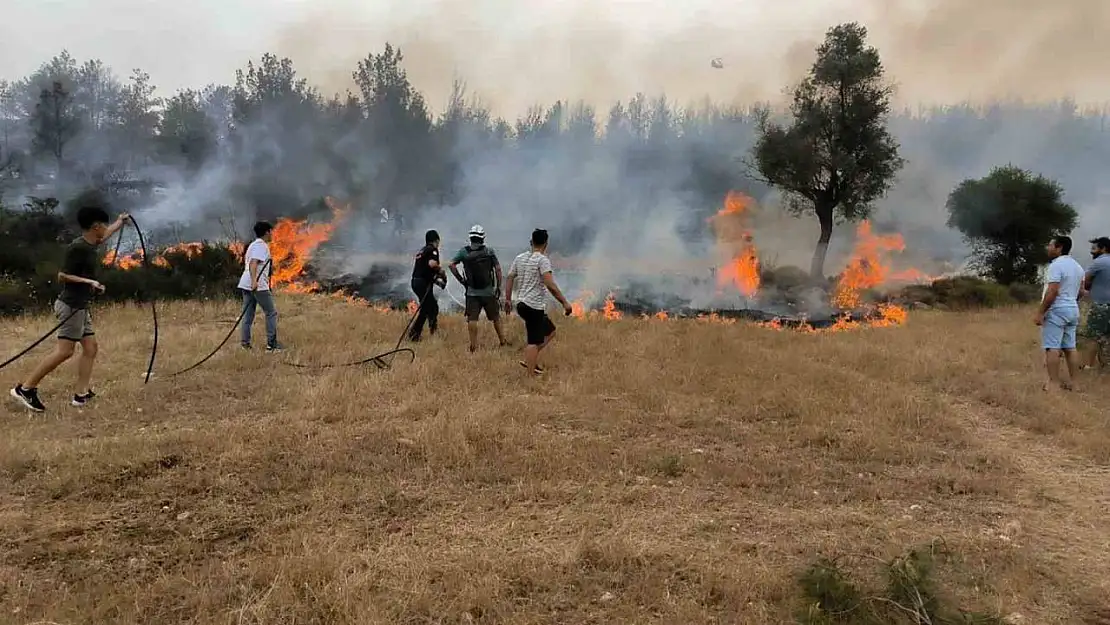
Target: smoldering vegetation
626, 192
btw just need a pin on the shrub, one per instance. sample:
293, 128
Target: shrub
15, 297
211, 273
967, 293
910, 595
204, 270
34, 246
1025, 293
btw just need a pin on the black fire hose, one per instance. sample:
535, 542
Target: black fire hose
227, 338
153, 304
27, 350
39, 342
379, 359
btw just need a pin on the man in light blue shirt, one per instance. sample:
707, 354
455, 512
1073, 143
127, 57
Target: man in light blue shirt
1097, 284
1058, 314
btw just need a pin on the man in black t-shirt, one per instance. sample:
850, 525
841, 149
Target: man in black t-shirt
427, 272
79, 284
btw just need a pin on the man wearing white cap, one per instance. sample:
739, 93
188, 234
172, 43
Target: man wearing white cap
482, 281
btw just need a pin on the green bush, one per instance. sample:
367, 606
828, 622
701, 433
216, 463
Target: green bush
15, 297
909, 596
1026, 293
205, 272
967, 293
35, 239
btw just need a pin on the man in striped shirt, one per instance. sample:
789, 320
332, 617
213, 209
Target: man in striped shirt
532, 272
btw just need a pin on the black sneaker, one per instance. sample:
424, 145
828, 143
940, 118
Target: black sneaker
276, 347
29, 397
81, 400
245, 345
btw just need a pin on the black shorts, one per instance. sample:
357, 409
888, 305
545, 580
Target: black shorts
475, 304
536, 323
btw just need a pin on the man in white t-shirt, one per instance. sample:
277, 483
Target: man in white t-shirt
255, 285
1058, 314
531, 272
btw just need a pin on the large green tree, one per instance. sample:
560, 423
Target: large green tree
54, 124
399, 129
1008, 217
185, 131
836, 156
137, 118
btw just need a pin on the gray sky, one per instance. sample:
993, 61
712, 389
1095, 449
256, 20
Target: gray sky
514, 53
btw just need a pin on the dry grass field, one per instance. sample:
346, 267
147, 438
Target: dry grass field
661, 472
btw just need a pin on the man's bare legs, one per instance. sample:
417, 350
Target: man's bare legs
1052, 368
532, 353
500, 332
1072, 360
63, 351
85, 363
472, 332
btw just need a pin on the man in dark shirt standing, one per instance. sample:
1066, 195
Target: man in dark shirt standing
78, 278
427, 272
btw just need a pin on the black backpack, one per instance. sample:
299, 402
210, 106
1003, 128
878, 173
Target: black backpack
478, 264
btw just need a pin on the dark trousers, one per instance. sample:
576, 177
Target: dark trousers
429, 309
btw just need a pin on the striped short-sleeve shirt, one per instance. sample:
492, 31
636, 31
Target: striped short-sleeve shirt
527, 273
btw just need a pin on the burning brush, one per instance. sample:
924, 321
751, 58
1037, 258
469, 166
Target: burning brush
738, 277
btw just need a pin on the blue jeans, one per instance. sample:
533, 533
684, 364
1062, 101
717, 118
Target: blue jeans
251, 300
1059, 329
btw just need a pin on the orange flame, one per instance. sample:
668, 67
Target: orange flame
609, 310
578, 307
125, 262
292, 244
733, 237
866, 268
133, 260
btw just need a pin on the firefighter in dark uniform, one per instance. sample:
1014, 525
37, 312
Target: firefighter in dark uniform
426, 273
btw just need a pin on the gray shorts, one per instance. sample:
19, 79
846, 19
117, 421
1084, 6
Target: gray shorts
77, 326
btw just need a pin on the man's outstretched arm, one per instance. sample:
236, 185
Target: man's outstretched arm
549, 282
454, 267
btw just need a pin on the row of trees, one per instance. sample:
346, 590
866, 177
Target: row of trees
836, 152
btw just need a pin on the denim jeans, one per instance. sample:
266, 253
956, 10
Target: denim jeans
251, 300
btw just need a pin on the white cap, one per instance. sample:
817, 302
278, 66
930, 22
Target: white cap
477, 232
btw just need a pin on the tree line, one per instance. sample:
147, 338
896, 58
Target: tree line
838, 152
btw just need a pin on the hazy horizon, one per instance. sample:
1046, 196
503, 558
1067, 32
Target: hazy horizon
516, 54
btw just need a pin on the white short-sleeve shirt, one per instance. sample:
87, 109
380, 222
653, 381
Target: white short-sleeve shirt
257, 250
